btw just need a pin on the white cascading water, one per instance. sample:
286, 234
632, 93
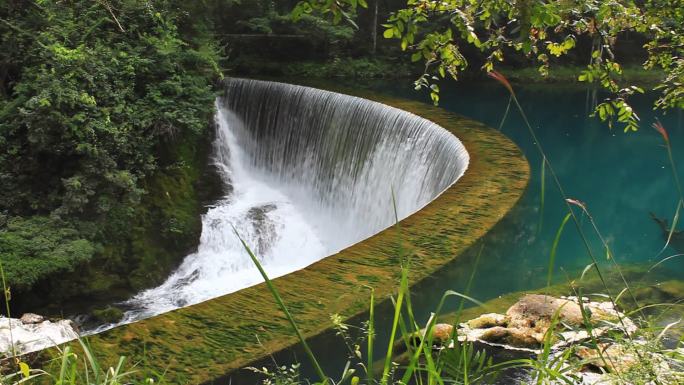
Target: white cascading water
307, 173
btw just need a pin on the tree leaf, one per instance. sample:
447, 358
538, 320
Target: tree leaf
25, 370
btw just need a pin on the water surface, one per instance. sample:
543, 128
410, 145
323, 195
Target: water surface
621, 177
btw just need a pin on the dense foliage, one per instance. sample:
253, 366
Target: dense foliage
39, 245
89, 100
89, 93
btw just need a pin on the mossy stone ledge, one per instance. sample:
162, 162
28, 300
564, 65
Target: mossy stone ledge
208, 340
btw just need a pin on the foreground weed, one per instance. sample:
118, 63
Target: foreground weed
67, 368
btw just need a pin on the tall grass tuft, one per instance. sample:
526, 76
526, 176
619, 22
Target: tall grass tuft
67, 368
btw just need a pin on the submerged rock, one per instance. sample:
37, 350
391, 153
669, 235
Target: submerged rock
622, 362
608, 357
17, 336
668, 291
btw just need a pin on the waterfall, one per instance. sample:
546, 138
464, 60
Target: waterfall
307, 173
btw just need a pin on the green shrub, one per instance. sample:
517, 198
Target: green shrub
92, 94
38, 246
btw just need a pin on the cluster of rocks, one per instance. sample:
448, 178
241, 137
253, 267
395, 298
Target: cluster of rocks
33, 332
526, 324
534, 319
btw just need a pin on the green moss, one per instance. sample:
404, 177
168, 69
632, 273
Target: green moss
167, 222
109, 314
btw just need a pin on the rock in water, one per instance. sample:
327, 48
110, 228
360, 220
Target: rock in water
32, 336
31, 318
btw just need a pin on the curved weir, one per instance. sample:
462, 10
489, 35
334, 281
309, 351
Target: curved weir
308, 173
325, 188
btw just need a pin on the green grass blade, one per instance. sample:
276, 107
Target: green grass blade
279, 300
409, 308
428, 331
395, 322
675, 174
663, 261
94, 366
65, 364
675, 220
469, 285
543, 195
403, 329
620, 294
371, 337
505, 115
554, 249
465, 365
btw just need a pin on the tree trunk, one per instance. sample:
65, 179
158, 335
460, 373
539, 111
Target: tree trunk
374, 29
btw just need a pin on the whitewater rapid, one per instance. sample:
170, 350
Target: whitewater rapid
306, 173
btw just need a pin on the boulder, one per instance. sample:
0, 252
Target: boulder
110, 314
441, 333
612, 358
536, 312
521, 338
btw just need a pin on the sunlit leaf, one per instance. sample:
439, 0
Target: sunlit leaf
25, 370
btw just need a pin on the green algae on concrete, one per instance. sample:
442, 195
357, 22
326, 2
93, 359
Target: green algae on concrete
205, 341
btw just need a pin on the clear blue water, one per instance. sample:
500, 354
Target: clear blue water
622, 178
